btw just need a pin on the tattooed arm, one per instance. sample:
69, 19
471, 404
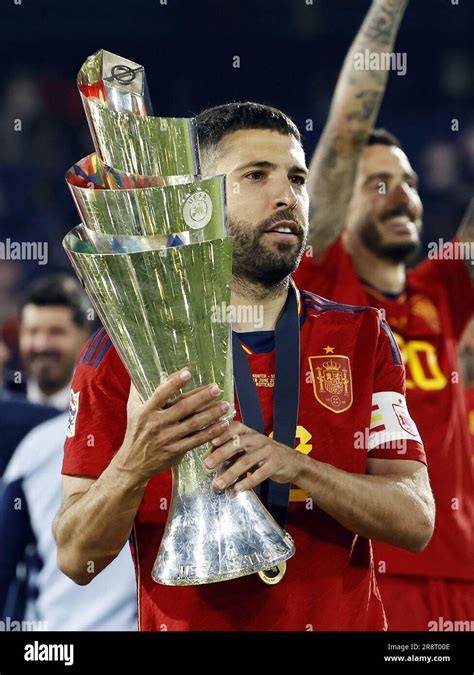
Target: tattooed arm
465, 234
354, 109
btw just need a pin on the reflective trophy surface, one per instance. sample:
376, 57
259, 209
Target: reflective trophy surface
155, 258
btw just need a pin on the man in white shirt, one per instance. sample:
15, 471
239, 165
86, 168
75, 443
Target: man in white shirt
29, 501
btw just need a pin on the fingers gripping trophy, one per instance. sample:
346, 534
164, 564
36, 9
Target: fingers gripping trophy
155, 258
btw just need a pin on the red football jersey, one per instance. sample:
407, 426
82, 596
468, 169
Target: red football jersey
351, 405
427, 320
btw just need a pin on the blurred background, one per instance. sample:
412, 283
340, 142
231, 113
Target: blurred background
290, 53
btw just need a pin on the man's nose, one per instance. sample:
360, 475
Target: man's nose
401, 195
284, 196
41, 342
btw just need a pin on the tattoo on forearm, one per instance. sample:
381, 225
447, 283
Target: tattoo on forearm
369, 100
383, 23
329, 161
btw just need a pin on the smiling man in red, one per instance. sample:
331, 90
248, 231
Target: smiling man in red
365, 223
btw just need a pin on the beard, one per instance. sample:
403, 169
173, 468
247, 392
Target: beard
259, 263
53, 375
396, 252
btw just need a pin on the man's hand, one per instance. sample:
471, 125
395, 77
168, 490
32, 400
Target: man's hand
393, 504
160, 431
96, 517
254, 452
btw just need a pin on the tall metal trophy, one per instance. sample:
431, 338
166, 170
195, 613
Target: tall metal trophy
155, 258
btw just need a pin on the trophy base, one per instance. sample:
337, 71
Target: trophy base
192, 575
232, 535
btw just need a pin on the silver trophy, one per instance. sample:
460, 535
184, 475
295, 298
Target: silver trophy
155, 257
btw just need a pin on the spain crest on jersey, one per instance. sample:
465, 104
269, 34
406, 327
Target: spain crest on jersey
332, 381
73, 410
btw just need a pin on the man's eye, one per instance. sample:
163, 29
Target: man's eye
299, 180
255, 175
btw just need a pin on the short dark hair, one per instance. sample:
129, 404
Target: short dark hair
383, 137
59, 290
214, 123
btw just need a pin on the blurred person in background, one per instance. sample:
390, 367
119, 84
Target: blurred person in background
54, 326
28, 503
365, 222
17, 415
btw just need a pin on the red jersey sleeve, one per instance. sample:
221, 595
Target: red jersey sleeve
450, 280
98, 409
393, 434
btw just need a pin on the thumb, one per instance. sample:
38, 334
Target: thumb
134, 402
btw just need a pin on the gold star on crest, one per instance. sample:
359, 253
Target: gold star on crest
329, 350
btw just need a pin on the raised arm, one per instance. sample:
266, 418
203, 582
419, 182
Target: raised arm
354, 109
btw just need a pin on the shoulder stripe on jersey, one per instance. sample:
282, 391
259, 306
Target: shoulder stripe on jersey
397, 357
106, 346
93, 348
91, 340
102, 348
87, 345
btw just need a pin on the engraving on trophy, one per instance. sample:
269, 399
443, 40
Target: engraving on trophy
227, 565
123, 74
197, 210
194, 571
